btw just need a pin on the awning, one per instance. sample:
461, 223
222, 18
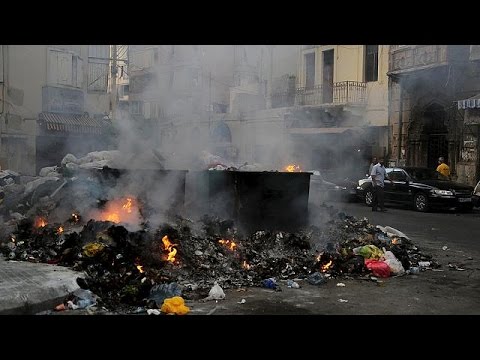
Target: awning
330, 130
73, 123
470, 103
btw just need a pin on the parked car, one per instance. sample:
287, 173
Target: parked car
476, 195
344, 190
422, 188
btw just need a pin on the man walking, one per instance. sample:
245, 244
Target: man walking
378, 182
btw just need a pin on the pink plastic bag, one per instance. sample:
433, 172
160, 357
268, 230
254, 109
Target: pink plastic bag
378, 268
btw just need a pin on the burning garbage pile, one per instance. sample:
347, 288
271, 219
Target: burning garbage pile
158, 268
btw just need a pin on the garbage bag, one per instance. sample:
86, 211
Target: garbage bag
370, 252
215, 293
82, 299
174, 305
378, 268
393, 263
316, 279
160, 292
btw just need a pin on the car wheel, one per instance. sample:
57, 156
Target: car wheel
420, 202
368, 197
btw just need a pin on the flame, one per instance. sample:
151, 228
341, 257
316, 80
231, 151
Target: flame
246, 265
60, 230
128, 205
140, 268
394, 241
230, 244
168, 246
123, 210
292, 168
319, 257
326, 266
75, 218
40, 222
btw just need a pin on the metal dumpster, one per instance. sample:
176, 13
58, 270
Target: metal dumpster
255, 200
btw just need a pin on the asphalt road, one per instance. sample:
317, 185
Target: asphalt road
438, 228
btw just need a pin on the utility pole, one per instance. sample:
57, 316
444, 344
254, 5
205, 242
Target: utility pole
114, 82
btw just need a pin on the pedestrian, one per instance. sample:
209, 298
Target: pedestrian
443, 168
379, 174
374, 162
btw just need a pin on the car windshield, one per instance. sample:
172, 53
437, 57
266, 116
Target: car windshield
425, 174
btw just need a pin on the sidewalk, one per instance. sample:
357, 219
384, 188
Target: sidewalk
28, 288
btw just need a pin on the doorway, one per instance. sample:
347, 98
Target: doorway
327, 82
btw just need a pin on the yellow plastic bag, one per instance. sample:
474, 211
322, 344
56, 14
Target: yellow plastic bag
175, 305
92, 249
370, 252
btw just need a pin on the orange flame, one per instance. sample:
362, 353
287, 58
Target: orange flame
326, 266
230, 244
40, 222
246, 265
394, 241
128, 205
170, 248
60, 230
123, 210
140, 268
292, 168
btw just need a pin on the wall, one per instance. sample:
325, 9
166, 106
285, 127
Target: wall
26, 70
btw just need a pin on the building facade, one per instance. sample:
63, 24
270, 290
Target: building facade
340, 113
53, 100
428, 84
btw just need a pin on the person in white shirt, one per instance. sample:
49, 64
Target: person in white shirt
378, 182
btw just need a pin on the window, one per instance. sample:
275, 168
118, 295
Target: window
371, 63
98, 63
397, 175
64, 68
309, 70
136, 107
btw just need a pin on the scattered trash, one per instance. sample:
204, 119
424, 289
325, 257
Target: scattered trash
393, 263
370, 252
316, 279
378, 268
243, 301
292, 284
216, 293
198, 253
60, 307
455, 267
341, 285
424, 264
270, 283
175, 305
153, 312
342, 300
414, 270
81, 299
445, 248
159, 293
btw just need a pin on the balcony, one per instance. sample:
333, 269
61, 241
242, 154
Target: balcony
417, 57
341, 93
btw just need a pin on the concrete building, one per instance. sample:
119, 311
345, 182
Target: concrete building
53, 100
331, 116
432, 107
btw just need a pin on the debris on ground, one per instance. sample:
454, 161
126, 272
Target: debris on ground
175, 305
124, 269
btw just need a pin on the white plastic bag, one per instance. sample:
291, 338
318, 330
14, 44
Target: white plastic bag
216, 293
393, 263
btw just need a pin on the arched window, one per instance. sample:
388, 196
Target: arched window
221, 133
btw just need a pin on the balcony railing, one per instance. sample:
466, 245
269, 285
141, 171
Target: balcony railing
283, 99
343, 92
416, 56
